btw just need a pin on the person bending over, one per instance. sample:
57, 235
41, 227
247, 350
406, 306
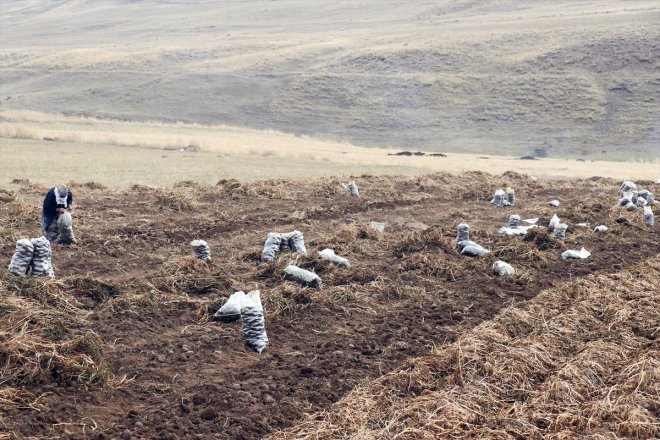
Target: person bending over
56, 215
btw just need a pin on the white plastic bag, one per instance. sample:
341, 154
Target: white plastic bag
329, 255
554, 221
575, 255
231, 310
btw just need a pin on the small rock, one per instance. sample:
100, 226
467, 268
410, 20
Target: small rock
268, 398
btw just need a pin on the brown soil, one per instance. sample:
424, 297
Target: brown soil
174, 373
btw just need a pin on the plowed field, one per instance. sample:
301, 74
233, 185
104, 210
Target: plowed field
122, 345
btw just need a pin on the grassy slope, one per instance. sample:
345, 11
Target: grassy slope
482, 77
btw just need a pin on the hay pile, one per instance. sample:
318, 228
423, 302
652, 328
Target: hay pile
267, 189
42, 338
578, 361
190, 275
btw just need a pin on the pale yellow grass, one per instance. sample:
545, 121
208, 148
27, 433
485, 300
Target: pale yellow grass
122, 153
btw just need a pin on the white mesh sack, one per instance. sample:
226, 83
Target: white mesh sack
511, 196
254, 325
302, 276
559, 233
329, 255
296, 241
499, 200
352, 188
554, 203
627, 186
646, 195
231, 310
465, 243
377, 226
474, 251
502, 268
20, 261
648, 216
513, 221
624, 201
65, 229
271, 247
284, 242
41, 259
201, 249
512, 229
462, 232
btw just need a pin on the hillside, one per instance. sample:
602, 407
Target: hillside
565, 78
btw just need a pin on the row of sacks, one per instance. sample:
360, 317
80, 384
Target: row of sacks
32, 257
471, 249
502, 198
276, 242
248, 306
633, 199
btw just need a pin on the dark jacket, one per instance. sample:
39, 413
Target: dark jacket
49, 212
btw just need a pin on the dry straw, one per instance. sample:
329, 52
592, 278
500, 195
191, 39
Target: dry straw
41, 339
578, 361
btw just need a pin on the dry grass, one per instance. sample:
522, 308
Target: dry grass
176, 200
268, 189
192, 276
119, 153
42, 340
579, 360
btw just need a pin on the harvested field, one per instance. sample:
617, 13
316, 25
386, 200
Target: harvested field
122, 345
580, 360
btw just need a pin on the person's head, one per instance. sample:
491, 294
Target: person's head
62, 193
